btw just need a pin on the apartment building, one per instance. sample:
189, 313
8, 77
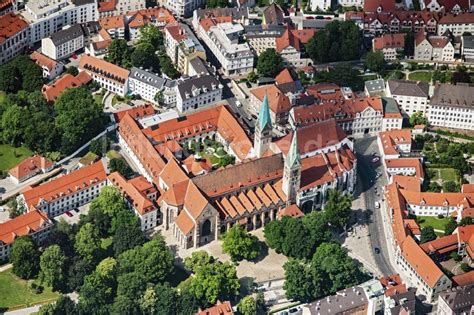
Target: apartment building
320, 5
467, 48
278, 103
225, 42
159, 17
392, 45
263, 37
34, 224
8, 6
140, 197
411, 96
290, 46
47, 17
119, 7
114, 26
109, 76
146, 84
454, 7
405, 167
183, 8
456, 24
436, 48
66, 192
14, 36
63, 43
451, 106
394, 143
197, 92
51, 68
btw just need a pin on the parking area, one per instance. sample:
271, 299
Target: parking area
72, 216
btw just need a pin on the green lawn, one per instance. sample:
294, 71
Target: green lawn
424, 76
14, 292
10, 156
437, 224
112, 154
98, 98
446, 174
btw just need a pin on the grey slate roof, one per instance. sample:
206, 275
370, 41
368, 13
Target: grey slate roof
343, 301
273, 14
199, 66
409, 88
199, 82
459, 299
468, 42
375, 85
459, 95
66, 35
147, 77
236, 13
404, 301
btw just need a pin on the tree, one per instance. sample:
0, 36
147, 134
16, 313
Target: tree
107, 269
99, 146
342, 75
144, 56
25, 257
87, 240
72, 70
460, 76
217, 281
95, 295
63, 306
15, 208
269, 63
439, 76
427, 234
197, 259
166, 299
78, 270
119, 53
409, 49
154, 260
121, 166
167, 66
78, 118
31, 74
252, 77
450, 226
110, 202
466, 221
247, 306
187, 302
375, 61
148, 301
151, 34
52, 266
9, 79
418, 119
316, 225
299, 282
434, 187
337, 209
451, 186
13, 125
130, 289
239, 244
128, 233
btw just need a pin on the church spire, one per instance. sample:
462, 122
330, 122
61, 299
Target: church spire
294, 156
264, 114
292, 170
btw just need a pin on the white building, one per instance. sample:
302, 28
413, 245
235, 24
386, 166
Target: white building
351, 3
394, 143
114, 25
148, 85
456, 24
14, 36
47, 17
391, 45
66, 192
451, 107
320, 5
411, 96
51, 68
223, 40
183, 8
109, 76
262, 38
197, 92
467, 50
64, 43
436, 48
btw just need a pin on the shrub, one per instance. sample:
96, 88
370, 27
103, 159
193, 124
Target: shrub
440, 216
465, 267
455, 256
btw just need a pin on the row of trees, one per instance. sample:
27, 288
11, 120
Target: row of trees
299, 238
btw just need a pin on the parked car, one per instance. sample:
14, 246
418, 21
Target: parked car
377, 205
2, 209
377, 250
69, 214
375, 159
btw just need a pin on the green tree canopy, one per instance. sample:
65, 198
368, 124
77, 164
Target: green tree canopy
427, 234
337, 208
418, 119
269, 63
128, 233
375, 61
198, 259
63, 306
247, 306
130, 289
239, 244
87, 241
53, 267
121, 166
119, 53
149, 33
24, 256
144, 56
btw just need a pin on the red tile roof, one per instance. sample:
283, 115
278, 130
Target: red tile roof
219, 309
207, 23
107, 5
291, 211
136, 112
277, 100
303, 35
441, 245
393, 285
10, 25
176, 32
160, 16
103, 68
373, 5
30, 166
284, 77
66, 184
407, 163
464, 279
287, 39
67, 81
43, 61
461, 18
25, 224
112, 22
390, 139
172, 173
396, 41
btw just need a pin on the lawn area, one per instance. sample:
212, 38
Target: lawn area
112, 154
98, 98
445, 174
14, 292
10, 156
437, 224
3, 95
369, 77
424, 76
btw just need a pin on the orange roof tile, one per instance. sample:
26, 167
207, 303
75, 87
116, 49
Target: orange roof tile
396, 41
207, 23
10, 25
67, 81
284, 77
464, 279
136, 112
277, 100
303, 35
393, 285
107, 5
407, 182
66, 184
112, 22
392, 138
25, 224
172, 173
43, 61
140, 18
441, 245
219, 309
194, 202
175, 195
407, 163
436, 199
290, 211
184, 223
103, 68
29, 166
287, 39
176, 32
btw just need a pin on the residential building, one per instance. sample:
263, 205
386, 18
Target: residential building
394, 143
63, 43
225, 42
273, 15
451, 107
392, 45
48, 17
182, 46
109, 76
467, 50
411, 96
14, 36
114, 25
66, 192
35, 224
351, 3
30, 167
197, 92
221, 308
456, 301
123, 6
140, 196
375, 87
456, 24
290, 46
8, 6
183, 8
159, 17
52, 91
145, 83
51, 68
454, 7
405, 167
321, 5
379, 6
263, 37
99, 44
436, 48
279, 103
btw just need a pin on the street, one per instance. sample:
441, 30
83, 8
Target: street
371, 191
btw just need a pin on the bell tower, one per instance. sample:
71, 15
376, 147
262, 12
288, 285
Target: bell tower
263, 129
292, 171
